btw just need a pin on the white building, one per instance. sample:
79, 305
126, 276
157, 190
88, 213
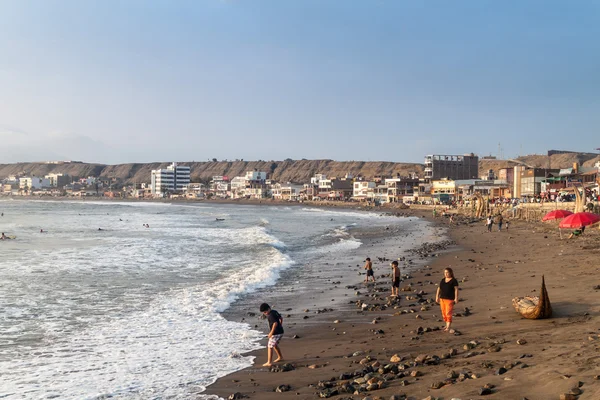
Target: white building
256, 176
34, 182
317, 178
361, 189
252, 185
58, 180
175, 178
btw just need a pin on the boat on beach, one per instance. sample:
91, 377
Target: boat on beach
534, 307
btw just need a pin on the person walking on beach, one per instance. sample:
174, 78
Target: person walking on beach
500, 220
369, 268
489, 222
395, 278
275, 333
447, 296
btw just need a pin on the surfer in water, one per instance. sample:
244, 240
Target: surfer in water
3, 237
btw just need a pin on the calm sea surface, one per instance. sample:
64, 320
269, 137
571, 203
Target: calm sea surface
134, 312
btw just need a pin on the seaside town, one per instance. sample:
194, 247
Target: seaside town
447, 180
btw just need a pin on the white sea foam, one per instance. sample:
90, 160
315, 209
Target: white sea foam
133, 312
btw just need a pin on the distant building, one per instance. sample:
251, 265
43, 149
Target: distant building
175, 178
361, 189
58, 180
33, 182
531, 180
451, 167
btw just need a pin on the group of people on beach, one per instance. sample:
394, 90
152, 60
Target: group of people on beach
498, 220
446, 295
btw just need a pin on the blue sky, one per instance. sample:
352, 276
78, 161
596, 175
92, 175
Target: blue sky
140, 81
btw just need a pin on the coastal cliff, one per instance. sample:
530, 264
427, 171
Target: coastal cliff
296, 171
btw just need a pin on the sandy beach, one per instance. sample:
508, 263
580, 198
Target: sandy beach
494, 354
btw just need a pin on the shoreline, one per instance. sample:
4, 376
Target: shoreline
308, 295
556, 355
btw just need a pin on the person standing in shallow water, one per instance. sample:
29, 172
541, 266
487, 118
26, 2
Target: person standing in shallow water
447, 296
275, 334
369, 268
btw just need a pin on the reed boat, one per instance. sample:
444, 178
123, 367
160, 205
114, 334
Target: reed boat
534, 307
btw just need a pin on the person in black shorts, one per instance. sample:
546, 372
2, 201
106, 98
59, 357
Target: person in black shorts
276, 332
395, 278
369, 268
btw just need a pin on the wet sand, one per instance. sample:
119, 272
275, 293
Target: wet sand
556, 356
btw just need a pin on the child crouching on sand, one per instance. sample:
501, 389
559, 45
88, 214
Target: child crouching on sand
275, 334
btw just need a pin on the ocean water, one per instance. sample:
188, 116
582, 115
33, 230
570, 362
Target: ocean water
131, 312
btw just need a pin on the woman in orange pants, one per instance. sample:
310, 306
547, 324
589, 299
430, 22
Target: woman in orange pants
447, 296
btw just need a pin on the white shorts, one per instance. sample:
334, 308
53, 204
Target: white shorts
274, 340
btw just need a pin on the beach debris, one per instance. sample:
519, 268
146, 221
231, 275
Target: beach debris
283, 388
438, 385
324, 394
282, 368
485, 391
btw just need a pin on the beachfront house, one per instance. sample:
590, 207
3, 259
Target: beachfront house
251, 186
361, 189
58, 180
317, 178
220, 187
33, 183
378, 195
443, 190
399, 188
285, 192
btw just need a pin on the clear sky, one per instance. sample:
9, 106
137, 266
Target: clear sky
117, 81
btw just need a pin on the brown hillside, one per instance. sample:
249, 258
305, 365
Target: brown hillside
297, 171
542, 161
286, 171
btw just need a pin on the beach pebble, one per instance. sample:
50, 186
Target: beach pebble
452, 375
236, 396
521, 341
437, 385
485, 391
568, 396
282, 388
395, 358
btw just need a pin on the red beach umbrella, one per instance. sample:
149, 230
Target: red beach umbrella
579, 219
556, 214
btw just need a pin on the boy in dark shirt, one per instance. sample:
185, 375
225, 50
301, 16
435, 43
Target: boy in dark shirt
275, 333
